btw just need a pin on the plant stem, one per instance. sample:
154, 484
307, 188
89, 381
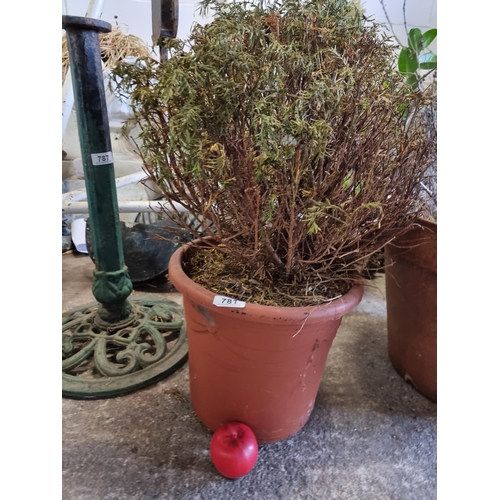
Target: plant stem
389, 21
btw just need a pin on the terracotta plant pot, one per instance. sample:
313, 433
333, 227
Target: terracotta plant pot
411, 289
259, 365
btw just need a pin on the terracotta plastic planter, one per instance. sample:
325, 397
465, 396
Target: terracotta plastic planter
411, 288
259, 365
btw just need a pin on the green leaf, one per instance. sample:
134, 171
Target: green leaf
358, 187
407, 62
347, 180
415, 40
428, 37
428, 60
312, 227
413, 81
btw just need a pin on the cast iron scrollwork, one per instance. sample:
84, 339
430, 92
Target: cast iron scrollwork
94, 356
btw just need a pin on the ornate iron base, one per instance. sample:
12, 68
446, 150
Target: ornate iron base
101, 361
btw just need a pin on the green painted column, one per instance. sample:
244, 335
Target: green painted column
119, 343
112, 284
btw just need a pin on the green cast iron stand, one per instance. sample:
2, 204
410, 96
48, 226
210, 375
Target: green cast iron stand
117, 344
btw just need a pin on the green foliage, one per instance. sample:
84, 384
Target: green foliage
414, 57
281, 126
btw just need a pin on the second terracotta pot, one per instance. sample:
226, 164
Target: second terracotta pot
411, 287
259, 365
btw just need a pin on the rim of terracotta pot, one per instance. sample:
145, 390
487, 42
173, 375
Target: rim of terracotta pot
417, 245
427, 223
341, 306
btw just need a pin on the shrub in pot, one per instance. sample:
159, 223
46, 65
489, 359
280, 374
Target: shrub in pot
411, 259
284, 129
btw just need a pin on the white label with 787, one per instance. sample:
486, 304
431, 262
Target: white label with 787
221, 301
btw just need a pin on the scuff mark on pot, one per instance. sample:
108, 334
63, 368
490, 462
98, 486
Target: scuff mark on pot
207, 316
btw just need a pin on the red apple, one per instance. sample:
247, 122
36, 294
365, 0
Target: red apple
234, 449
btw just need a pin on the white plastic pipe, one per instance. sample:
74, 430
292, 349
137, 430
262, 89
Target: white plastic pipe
124, 207
130, 179
81, 194
94, 11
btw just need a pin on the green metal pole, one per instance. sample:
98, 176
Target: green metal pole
115, 345
112, 284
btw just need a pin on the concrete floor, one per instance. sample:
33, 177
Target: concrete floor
370, 436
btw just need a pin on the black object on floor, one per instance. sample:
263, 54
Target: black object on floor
147, 248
